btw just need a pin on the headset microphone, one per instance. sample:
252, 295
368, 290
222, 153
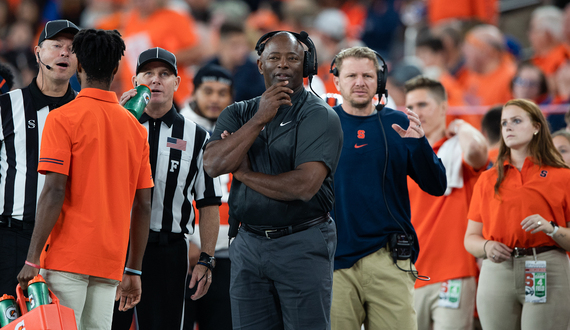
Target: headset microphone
47, 66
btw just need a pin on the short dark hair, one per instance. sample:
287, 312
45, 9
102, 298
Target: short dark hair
491, 124
427, 39
434, 87
98, 52
230, 28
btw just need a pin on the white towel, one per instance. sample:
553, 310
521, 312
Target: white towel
450, 155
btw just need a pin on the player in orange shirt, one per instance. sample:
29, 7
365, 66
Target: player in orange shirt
518, 220
95, 158
448, 300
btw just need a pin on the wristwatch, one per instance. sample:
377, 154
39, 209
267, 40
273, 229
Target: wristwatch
207, 260
555, 226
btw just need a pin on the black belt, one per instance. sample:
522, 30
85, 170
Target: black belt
164, 238
8, 222
277, 232
521, 252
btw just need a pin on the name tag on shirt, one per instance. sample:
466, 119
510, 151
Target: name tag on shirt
535, 281
450, 294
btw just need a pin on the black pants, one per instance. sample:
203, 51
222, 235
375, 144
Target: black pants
14, 244
212, 311
163, 287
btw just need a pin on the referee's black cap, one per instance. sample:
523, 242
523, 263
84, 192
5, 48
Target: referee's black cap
52, 28
157, 54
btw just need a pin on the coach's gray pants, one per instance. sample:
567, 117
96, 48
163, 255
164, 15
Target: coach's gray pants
283, 283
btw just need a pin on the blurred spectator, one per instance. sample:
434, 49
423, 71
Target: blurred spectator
299, 15
355, 11
483, 10
491, 129
546, 37
29, 11
489, 68
430, 51
149, 24
566, 25
18, 53
530, 83
4, 20
397, 77
451, 37
96, 10
234, 54
562, 84
380, 26
329, 39
6, 79
561, 140
263, 20
567, 120
236, 11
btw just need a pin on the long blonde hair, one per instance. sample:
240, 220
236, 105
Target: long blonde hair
540, 148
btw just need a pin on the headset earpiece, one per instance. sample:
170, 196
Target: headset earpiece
310, 65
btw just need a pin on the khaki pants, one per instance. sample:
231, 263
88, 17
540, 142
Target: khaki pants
501, 295
91, 298
432, 316
374, 292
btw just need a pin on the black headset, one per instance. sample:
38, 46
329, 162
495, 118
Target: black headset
382, 75
310, 65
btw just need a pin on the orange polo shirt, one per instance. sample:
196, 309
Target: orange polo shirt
533, 190
550, 62
165, 28
104, 152
440, 224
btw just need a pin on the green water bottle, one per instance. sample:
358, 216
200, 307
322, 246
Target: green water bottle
138, 102
8, 309
38, 292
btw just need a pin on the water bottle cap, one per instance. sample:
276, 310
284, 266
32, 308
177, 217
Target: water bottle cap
145, 85
7, 297
36, 279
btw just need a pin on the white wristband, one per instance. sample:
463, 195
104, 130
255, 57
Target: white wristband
554, 231
134, 271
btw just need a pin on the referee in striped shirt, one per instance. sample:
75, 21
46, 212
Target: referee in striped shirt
176, 149
22, 116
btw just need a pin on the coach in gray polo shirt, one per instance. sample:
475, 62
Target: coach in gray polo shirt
283, 151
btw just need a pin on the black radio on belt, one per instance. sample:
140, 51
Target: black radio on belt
400, 246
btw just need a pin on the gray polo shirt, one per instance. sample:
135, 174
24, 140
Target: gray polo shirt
308, 131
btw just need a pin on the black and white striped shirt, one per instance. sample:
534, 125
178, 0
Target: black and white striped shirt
176, 150
22, 117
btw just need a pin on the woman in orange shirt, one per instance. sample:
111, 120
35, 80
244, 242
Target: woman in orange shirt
518, 220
